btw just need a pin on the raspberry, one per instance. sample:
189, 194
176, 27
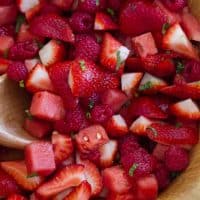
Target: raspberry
7, 30
86, 47
81, 22
23, 50
17, 71
175, 5
101, 113
176, 158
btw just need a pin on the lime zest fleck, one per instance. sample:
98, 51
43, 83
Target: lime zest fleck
132, 169
146, 86
179, 67
91, 104
21, 84
119, 61
110, 11
82, 65
32, 175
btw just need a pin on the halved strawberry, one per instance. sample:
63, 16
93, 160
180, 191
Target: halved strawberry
116, 126
187, 109
52, 26
70, 176
3, 65
168, 134
145, 44
83, 192
130, 81
62, 146
17, 170
108, 152
6, 43
52, 52
38, 80
116, 180
104, 22
140, 125
91, 138
31, 63
16, 197
151, 84
176, 40
113, 54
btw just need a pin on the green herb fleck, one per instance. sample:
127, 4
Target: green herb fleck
97, 3
119, 61
179, 67
32, 175
91, 104
146, 86
20, 21
178, 125
155, 133
88, 115
132, 169
165, 27
111, 11
28, 114
82, 65
21, 84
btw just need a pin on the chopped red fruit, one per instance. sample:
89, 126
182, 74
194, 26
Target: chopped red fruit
62, 146
47, 106
70, 176
134, 64
159, 151
91, 138
63, 4
39, 157
175, 5
26, 5
52, 26
93, 156
6, 43
37, 128
126, 196
17, 170
16, 197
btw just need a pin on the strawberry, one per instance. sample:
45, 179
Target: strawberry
83, 192
52, 52
145, 45
47, 106
114, 4
159, 151
130, 81
63, 4
37, 128
134, 64
176, 40
114, 98
113, 176
31, 63
168, 134
6, 43
176, 5
140, 125
159, 65
26, 5
39, 157
17, 170
7, 185
151, 84
39, 80
126, 196
52, 26
91, 138
146, 17
62, 146
147, 107
63, 194
4, 63
93, 156
183, 91
8, 154
7, 30
16, 197
93, 176
31, 13
69, 176
108, 152
68, 161
116, 126
113, 54
186, 109
103, 22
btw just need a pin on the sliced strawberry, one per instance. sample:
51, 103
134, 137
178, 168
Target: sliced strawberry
159, 151
52, 52
39, 80
108, 152
62, 146
83, 192
168, 134
113, 54
130, 81
126, 196
145, 45
47, 106
91, 138
151, 84
70, 176
62, 195
176, 40
134, 64
3, 65
140, 125
26, 5
17, 170
6, 43
113, 176
104, 22
31, 63
116, 126
16, 197
187, 109
33, 11
52, 26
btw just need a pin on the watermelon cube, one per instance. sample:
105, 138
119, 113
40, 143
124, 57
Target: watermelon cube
39, 157
47, 106
37, 128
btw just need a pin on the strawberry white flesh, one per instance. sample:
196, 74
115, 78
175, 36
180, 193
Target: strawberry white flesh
26, 5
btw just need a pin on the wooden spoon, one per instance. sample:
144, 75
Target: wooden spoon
13, 102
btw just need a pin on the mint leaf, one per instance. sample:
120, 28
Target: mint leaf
146, 86
111, 11
32, 175
155, 133
165, 27
179, 67
132, 169
20, 21
82, 65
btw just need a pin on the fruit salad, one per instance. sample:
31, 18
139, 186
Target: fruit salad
114, 89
